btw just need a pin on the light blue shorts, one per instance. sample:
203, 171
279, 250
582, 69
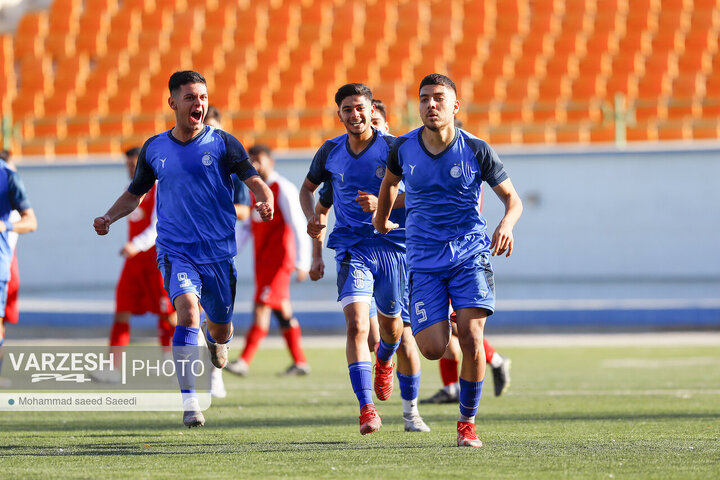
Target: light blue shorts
213, 283
372, 269
469, 284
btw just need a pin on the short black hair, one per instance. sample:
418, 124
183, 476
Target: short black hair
213, 113
438, 79
380, 107
260, 148
4, 155
183, 77
132, 152
352, 89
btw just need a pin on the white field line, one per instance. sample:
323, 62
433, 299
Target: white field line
45, 305
675, 392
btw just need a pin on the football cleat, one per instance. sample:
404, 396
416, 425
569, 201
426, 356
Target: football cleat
369, 419
238, 367
501, 377
296, 370
192, 416
218, 351
441, 396
217, 385
383, 383
107, 376
414, 423
466, 436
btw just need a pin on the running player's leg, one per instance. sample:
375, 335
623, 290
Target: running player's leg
449, 364
500, 366
428, 313
292, 333
374, 334
218, 299
408, 373
254, 336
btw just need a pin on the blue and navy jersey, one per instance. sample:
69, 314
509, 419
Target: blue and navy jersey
442, 195
195, 211
12, 197
343, 174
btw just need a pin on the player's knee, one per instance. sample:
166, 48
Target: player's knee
355, 329
431, 350
285, 322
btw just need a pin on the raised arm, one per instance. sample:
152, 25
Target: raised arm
124, 205
502, 238
386, 199
264, 196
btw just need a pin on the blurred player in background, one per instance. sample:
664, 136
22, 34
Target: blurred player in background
368, 265
281, 247
140, 289
12, 197
448, 248
192, 164
12, 312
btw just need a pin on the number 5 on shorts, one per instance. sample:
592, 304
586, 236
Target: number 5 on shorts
420, 312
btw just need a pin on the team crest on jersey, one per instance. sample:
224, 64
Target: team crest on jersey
380, 172
207, 159
455, 171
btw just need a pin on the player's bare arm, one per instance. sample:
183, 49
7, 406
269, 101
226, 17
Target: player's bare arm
317, 267
502, 239
386, 199
124, 205
264, 196
26, 224
368, 201
242, 212
307, 201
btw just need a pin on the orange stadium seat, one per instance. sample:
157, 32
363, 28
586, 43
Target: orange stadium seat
84, 126
40, 147
71, 146
102, 145
114, 125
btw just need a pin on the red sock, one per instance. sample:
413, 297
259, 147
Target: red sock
449, 371
119, 339
489, 351
165, 333
252, 341
292, 339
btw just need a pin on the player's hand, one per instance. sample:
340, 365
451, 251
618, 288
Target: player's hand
102, 225
265, 210
384, 227
314, 227
502, 240
3, 226
367, 201
129, 250
317, 269
301, 275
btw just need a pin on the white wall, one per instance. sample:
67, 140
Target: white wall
588, 217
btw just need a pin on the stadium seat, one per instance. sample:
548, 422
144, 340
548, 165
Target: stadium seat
75, 147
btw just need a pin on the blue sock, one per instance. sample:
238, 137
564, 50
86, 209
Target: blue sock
385, 351
361, 381
409, 386
469, 397
184, 342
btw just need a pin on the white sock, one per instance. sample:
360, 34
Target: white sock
497, 360
463, 418
410, 407
452, 389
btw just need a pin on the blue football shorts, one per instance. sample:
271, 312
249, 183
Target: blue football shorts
213, 283
3, 297
372, 269
404, 314
469, 284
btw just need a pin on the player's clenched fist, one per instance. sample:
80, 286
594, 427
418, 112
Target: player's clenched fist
265, 210
102, 225
314, 227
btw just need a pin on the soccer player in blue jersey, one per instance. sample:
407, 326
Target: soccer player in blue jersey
192, 164
443, 168
368, 264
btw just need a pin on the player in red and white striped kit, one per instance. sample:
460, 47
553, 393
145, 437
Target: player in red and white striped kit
281, 248
140, 289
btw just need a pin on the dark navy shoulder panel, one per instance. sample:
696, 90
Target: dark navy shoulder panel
318, 173
144, 177
326, 195
16, 191
393, 161
237, 158
491, 168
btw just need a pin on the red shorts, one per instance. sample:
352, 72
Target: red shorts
140, 289
272, 288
